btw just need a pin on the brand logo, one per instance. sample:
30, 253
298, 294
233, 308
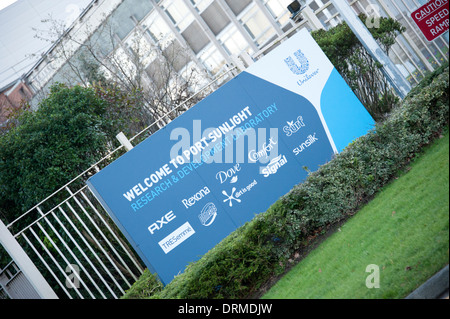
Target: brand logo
263, 152
294, 67
274, 166
235, 195
167, 218
176, 238
230, 198
293, 127
223, 176
309, 141
208, 214
196, 198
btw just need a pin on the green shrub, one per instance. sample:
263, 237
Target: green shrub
47, 147
247, 258
361, 72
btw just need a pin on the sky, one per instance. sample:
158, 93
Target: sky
19, 47
5, 3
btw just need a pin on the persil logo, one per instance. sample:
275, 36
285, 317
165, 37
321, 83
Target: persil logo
208, 214
296, 68
274, 165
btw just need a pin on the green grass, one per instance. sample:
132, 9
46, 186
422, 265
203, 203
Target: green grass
404, 230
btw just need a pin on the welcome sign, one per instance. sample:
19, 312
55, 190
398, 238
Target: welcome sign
181, 191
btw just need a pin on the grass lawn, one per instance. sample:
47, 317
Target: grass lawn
404, 230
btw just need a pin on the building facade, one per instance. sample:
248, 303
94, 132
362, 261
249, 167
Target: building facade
11, 98
210, 37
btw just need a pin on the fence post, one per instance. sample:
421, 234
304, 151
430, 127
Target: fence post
390, 70
25, 264
124, 141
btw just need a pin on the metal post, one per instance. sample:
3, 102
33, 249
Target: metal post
25, 264
312, 18
390, 70
124, 141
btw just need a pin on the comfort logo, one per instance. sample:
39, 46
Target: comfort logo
302, 67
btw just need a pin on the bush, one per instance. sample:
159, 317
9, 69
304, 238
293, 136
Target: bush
361, 72
247, 258
48, 147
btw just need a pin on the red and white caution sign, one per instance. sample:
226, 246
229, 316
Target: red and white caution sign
432, 18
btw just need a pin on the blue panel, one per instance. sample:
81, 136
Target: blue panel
346, 117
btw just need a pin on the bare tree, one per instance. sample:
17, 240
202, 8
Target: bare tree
162, 75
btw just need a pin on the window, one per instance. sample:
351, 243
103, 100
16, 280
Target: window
278, 10
195, 37
215, 18
140, 49
201, 5
238, 5
178, 13
233, 41
194, 77
121, 61
212, 59
257, 25
158, 30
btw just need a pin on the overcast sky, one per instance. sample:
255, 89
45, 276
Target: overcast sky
19, 49
5, 3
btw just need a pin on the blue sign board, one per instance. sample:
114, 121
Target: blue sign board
181, 191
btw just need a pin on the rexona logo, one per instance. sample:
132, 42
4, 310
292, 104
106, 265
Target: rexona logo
191, 201
208, 214
274, 166
167, 218
294, 67
293, 127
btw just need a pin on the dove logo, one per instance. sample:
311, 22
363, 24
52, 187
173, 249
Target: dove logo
293, 127
294, 67
231, 174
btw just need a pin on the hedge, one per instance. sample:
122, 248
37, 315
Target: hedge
262, 248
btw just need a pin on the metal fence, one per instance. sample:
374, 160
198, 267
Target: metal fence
72, 240
14, 284
78, 248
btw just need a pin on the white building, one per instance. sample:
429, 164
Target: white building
212, 36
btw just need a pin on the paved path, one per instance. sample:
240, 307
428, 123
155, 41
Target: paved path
434, 288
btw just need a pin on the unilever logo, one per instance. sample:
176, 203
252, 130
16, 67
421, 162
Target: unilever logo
298, 69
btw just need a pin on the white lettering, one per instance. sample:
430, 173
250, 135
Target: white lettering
167, 218
196, 198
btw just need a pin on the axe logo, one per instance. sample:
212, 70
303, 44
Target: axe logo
167, 218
